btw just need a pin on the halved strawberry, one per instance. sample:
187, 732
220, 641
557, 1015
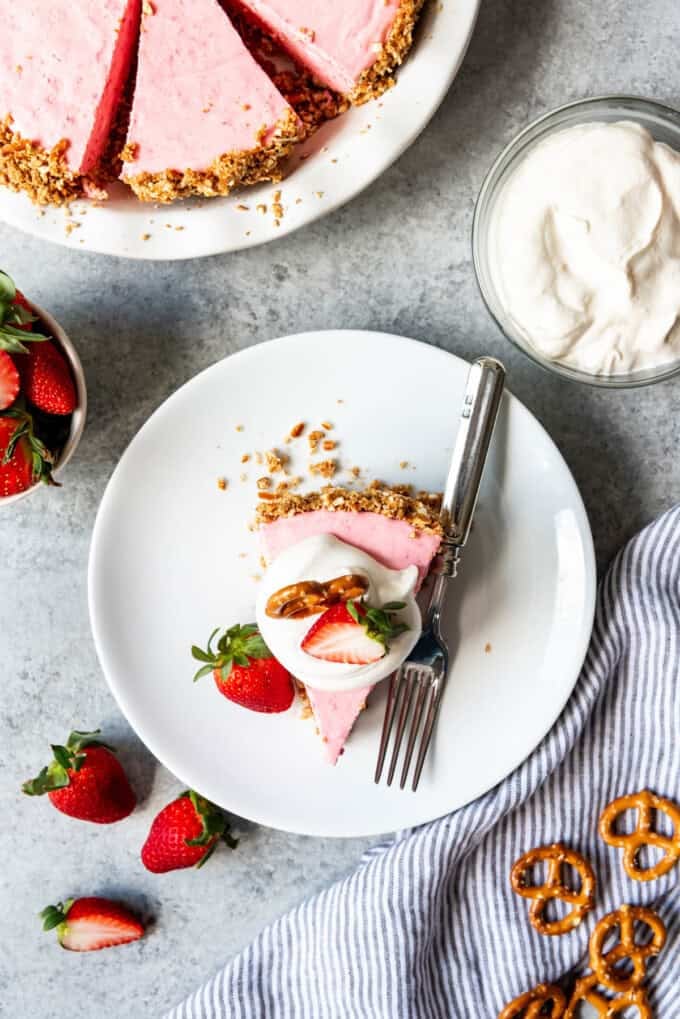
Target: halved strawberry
88, 924
353, 633
9, 380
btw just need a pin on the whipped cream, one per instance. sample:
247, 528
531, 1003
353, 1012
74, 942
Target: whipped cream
322, 558
585, 248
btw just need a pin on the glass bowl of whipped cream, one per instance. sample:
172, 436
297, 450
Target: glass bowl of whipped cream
576, 241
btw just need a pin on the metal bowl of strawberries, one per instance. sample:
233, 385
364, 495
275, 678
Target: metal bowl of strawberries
43, 399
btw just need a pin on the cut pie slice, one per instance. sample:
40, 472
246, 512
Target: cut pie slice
205, 116
63, 71
353, 46
397, 529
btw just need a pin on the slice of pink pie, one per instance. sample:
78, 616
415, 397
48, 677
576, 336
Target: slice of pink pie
63, 71
353, 46
205, 116
394, 527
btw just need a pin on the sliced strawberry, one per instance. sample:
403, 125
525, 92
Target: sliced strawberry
353, 634
88, 924
245, 670
9, 381
47, 380
24, 459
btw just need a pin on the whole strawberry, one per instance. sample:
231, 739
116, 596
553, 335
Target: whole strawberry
85, 780
24, 459
184, 834
88, 924
245, 670
46, 379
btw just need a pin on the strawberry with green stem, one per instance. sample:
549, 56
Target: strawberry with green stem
16, 319
184, 834
91, 923
24, 459
245, 671
85, 780
353, 633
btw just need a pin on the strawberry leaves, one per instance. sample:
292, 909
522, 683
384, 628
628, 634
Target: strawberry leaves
237, 646
380, 624
42, 460
66, 758
13, 316
214, 824
54, 916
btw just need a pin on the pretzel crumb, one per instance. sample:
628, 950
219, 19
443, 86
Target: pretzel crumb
275, 461
487, 649
222, 484
297, 430
325, 468
245, 458
314, 438
264, 483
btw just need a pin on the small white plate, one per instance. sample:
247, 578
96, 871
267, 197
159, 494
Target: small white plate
345, 156
166, 569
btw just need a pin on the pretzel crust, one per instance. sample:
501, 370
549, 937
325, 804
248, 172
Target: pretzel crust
603, 964
531, 1004
309, 597
556, 856
606, 1008
644, 802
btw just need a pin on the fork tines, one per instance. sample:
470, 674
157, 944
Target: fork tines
413, 682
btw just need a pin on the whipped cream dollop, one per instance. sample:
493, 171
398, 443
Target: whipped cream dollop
585, 248
322, 558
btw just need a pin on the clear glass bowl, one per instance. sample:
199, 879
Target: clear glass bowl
662, 122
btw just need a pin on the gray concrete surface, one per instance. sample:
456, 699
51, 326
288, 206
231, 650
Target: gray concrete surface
397, 259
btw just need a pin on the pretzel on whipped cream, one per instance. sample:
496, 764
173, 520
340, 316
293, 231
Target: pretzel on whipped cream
309, 597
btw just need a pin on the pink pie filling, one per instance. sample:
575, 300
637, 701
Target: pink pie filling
199, 94
336, 40
389, 541
63, 66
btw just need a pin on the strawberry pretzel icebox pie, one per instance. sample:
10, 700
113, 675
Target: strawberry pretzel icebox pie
337, 611
174, 97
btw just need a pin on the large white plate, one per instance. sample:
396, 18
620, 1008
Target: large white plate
344, 157
165, 569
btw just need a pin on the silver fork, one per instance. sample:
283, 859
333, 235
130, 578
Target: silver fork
423, 675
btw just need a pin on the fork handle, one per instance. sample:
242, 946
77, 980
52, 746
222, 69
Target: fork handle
481, 403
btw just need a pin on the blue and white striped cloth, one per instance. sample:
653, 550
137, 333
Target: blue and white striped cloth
428, 927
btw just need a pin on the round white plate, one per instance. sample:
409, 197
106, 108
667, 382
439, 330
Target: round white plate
167, 567
343, 158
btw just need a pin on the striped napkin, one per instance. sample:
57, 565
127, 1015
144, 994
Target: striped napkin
427, 927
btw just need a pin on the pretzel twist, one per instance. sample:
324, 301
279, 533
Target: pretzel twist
309, 597
532, 1004
607, 1008
603, 964
554, 887
645, 803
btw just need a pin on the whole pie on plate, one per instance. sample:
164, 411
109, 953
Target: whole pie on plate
205, 115
396, 529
